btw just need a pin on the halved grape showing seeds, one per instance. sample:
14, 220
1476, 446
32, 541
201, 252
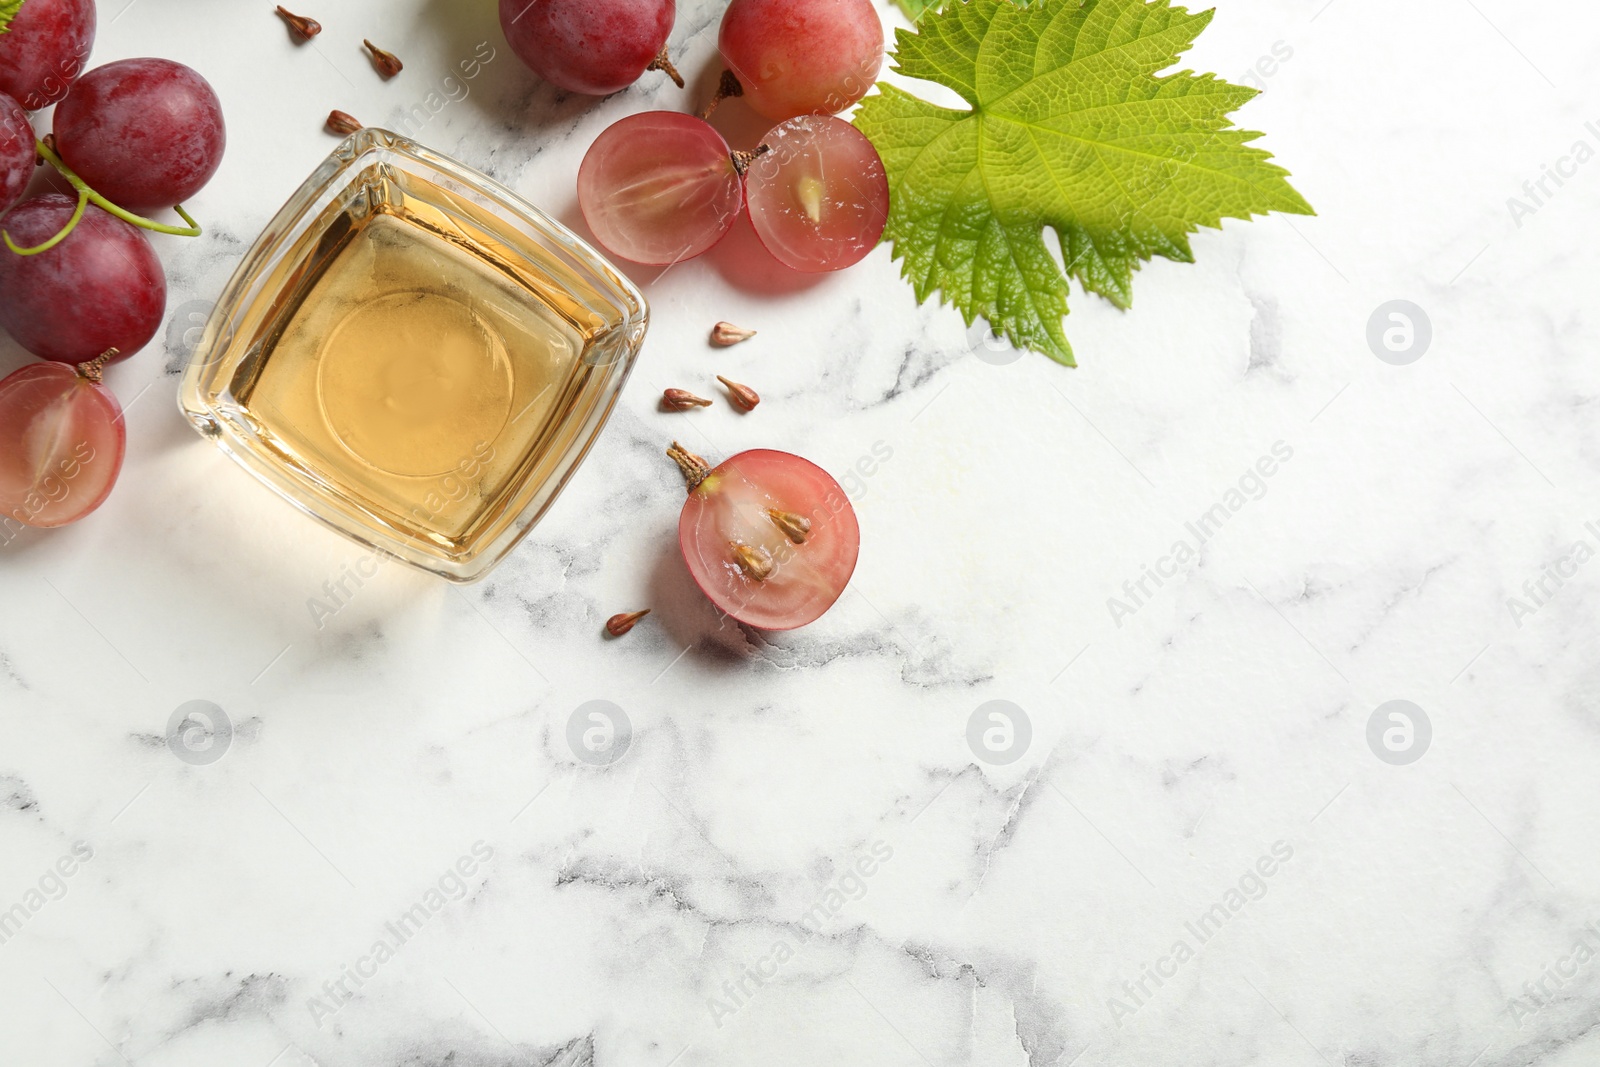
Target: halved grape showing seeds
819, 197
769, 537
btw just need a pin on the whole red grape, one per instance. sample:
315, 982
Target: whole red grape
45, 50
16, 152
144, 133
596, 47
802, 57
101, 288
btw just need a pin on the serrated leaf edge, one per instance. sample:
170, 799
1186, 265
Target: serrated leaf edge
1122, 297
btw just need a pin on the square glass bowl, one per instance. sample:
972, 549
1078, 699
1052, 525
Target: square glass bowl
415, 356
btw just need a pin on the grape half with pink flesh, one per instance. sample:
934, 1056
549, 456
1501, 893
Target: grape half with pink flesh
597, 47
659, 188
143, 133
769, 537
802, 57
45, 50
819, 196
16, 152
100, 288
62, 439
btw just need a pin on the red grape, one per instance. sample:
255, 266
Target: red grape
597, 47
659, 187
802, 57
819, 198
144, 133
45, 50
101, 288
62, 438
769, 537
16, 152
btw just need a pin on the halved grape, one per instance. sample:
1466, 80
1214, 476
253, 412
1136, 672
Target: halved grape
769, 537
659, 188
16, 152
62, 438
598, 47
819, 198
101, 288
802, 57
144, 133
45, 50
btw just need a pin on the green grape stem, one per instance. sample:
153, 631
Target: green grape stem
87, 196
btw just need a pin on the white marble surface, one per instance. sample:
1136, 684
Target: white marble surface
1224, 719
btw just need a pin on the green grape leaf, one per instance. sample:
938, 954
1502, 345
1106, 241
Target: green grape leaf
1068, 127
915, 9
8, 11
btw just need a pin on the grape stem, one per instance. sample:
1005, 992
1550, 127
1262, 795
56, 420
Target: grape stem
92, 370
663, 62
742, 160
87, 196
728, 86
72, 224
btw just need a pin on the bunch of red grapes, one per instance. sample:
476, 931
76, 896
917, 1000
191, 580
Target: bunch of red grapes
80, 285
662, 187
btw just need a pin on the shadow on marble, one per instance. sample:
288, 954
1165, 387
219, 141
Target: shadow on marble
676, 603
712, 640
746, 265
506, 91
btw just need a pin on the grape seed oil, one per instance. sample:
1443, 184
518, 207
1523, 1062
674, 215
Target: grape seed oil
419, 373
